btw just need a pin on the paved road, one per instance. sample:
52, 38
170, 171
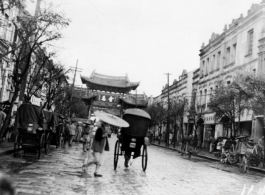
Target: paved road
62, 172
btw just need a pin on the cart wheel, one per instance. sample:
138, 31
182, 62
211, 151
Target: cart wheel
144, 157
116, 154
48, 143
16, 145
40, 145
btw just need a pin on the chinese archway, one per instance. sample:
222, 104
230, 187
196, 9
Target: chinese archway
111, 94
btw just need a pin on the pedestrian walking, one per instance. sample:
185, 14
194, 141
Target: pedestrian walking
99, 145
86, 137
2, 118
91, 134
100, 142
59, 131
72, 132
211, 147
241, 149
170, 137
79, 130
66, 133
261, 146
195, 142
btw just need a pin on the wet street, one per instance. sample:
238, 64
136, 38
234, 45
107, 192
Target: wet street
62, 172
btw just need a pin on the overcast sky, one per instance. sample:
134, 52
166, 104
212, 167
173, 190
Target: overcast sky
143, 38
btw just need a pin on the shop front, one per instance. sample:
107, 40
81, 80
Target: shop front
209, 129
200, 131
257, 128
191, 126
226, 126
245, 128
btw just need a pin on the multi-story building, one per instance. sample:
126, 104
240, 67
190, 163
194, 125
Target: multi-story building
239, 47
7, 30
180, 89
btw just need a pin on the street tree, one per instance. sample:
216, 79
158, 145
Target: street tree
62, 100
194, 111
158, 115
67, 101
178, 108
78, 108
229, 101
50, 82
32, 33
254, 87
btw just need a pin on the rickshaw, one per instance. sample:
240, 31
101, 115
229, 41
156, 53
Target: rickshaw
133, 138
30, 137
217, 149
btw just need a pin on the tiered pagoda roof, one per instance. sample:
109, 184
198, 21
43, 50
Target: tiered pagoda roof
117, 84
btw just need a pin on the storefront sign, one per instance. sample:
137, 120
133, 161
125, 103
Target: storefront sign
104, 104
106, 97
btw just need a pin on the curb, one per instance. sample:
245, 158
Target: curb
6, 152
209, 158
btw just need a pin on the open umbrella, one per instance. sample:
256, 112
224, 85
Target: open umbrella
111, 119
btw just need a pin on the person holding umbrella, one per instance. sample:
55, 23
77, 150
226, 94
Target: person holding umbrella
100, 142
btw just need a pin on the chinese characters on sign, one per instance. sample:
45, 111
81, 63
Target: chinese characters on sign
107, 98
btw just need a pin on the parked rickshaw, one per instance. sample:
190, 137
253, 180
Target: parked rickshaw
30, 137
217, 149
133, 138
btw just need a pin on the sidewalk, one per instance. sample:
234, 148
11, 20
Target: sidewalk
6, 148
203, 153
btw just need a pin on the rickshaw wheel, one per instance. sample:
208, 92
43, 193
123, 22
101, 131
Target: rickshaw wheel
144, 157
116, 154
16, 145
48, 143
40, 145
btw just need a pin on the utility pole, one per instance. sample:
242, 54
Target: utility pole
73, 85
167, 130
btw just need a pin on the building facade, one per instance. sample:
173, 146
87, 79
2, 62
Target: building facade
238, 47
181, 89
7, 30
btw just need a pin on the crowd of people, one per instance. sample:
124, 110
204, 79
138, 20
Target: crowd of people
74, 133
